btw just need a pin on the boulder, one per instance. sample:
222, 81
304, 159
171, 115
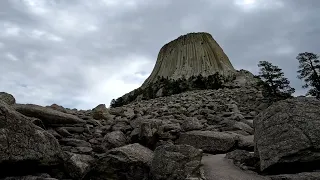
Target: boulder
243, 159
24, 146
48, 116
287, 136
76, 129
77, 165
58, 108
191, 123
82, 150
148, 135
129, 113
54, 133
114, 139
7, 98
117, 111
209, 141
74, 142
246, 143
63, 132
37, 122
244, 127
130, 162
100, 112
121, 126
176, 162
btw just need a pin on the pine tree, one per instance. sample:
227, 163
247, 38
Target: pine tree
113, 103
274, 81
309, 71
199, 83
214, 81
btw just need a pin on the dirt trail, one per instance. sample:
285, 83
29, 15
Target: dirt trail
216, 167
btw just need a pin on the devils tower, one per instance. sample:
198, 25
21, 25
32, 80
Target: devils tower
192, 61
189, 55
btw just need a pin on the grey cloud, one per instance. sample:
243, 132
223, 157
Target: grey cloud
89, 52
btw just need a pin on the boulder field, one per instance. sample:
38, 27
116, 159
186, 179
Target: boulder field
192, 135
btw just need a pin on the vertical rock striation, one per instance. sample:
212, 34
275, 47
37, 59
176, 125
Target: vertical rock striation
190, 55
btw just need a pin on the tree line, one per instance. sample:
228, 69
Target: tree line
166, 87
272, 80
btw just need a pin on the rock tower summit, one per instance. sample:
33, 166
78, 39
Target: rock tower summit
190, 55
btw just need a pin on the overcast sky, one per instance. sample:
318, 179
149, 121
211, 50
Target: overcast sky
81, 53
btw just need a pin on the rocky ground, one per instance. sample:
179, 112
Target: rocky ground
163, 138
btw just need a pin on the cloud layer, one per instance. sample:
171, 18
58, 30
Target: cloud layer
81, 53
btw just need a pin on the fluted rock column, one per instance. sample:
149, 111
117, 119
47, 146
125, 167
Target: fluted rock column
190, 55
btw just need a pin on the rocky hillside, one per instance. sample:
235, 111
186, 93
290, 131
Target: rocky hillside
74, 142
140, 140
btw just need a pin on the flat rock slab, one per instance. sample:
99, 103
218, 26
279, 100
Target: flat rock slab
74, 142
49, 117
209, 141
216, 167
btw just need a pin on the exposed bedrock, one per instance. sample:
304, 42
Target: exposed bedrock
190, 55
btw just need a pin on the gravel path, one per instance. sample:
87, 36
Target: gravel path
216, 167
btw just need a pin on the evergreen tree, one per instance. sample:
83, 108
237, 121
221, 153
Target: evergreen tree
117, 103
113, 103
150, 92
274, 81
199, 82
214, 81
309, 71
184, 84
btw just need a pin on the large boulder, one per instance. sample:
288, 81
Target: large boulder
100, 112
176, 162
77, 165
148, 135
130, 162
114, 139
7, 98
209, 141
49, 117
57, 107
287, 136
25, 147
244, 127
191, 123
